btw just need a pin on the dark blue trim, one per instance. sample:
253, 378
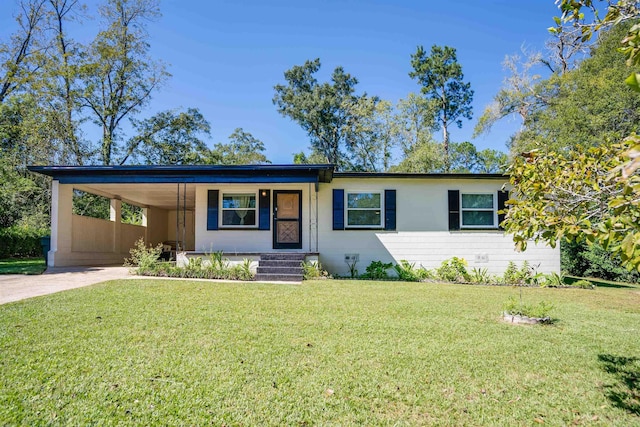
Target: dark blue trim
170, 179
454, 209
338, 209
264, 207
389, 209
503, 196
187, 173
212, 209
394, 175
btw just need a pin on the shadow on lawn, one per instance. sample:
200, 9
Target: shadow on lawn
625, 392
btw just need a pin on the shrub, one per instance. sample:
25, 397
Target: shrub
553, 280
20, 241
480, 275
453, 270
146, 259
583, 260
407, 271
313, 270
216, 261
511, 275
518, 276
584, 284
517, 308
377, 270
143, 257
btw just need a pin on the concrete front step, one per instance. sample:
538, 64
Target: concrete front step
283, 256
278, 270
280, 267
262, 277
280, 263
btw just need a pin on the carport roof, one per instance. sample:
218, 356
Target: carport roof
187, 174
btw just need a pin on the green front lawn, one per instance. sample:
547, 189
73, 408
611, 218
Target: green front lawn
22, 266
153, 352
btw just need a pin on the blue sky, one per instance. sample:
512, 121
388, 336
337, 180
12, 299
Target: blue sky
226, 56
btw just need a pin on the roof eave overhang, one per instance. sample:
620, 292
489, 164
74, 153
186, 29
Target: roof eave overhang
187, 174
447, 176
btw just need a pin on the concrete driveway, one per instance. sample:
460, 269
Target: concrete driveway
15, 287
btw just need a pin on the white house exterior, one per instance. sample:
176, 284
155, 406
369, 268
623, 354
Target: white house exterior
248, 211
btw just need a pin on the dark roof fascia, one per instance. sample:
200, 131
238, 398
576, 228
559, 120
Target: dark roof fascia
189, 174
391, 175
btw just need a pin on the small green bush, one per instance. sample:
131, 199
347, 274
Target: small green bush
517, 308
480, 275
21, 241
408, 272
377, 270
584, 284
511, 275
552, 280
313, 270
144, 257
453, 270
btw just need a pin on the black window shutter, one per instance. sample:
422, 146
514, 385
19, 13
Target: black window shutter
454, 210
389, 209
503, 196
264, 206
338, 209
212, 210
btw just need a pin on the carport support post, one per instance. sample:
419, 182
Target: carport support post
61, 223
145, 221
115, 215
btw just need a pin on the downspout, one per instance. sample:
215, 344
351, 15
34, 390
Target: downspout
177, 221
317, 217
184, 217
310, 218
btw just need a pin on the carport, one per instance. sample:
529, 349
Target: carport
167, 196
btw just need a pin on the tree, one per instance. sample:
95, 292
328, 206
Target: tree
587, 106
312, 159
521, 93
21, 58
372, 135
413, 122
575, 196
242, 149
586, 193
168, 138
58, 82
120, 77
441, 78
491, 161
324, 110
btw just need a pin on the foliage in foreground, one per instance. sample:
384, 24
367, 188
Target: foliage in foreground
575, 196
146, 262
516, 307
587, 194
21, 241
313, 270
584, 260
455, 270
153, 352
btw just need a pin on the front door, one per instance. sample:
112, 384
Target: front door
287, 219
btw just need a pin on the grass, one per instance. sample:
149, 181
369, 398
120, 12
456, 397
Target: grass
147, 352
22, 266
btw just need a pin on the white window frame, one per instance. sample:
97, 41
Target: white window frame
494, 209
223, 209
347, 209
